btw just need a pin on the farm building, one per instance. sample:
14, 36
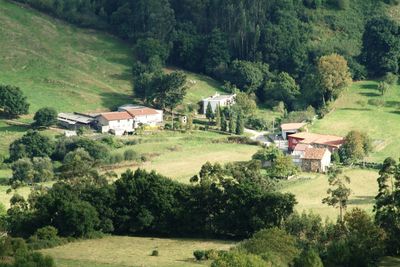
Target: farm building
291, 128
298, 153
74, 121
330, 142
218, 100
143, 115
316, 160
118, 123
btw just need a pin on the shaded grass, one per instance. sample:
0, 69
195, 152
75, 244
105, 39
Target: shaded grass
311, 189
390, 262
354, 112
133, 251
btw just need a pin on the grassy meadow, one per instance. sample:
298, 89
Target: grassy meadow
133, 251
310, 189
363, 108
181, 155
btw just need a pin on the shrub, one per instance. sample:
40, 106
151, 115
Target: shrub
154, 253
45, 117
211, 254
130, 154
376, 102
255, 123
199, 255
116, 158
390, 78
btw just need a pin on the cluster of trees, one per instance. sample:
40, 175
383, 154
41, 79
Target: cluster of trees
305, 241
357, 145
233, 201
227, 119
12, 101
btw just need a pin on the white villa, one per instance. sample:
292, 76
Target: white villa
218, 100
118, 123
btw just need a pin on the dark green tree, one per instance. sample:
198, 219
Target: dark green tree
239, 124
45, 117
224, 123
12, 101
217, 116
282, 88
217, 54
232, 123
32, 144
209, 112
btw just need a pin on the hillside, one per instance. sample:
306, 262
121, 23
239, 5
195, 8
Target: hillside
362, 108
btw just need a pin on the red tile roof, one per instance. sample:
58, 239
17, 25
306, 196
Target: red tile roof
312, 138
135, 112
314, 153
115, 116
301, 147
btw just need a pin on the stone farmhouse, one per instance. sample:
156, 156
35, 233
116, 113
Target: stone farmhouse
218, 100
316, 160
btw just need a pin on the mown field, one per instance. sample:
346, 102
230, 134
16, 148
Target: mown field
311, 189
133, 251
357, 109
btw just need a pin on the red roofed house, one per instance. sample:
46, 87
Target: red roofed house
117, 123
330, 142
143, 115
298, 153
316, 160
291, 128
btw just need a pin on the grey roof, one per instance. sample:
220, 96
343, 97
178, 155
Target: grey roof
74, 118
218, 97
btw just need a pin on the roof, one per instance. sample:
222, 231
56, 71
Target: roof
136, 112
73, 118
128, 106
315, 153
301, 147
218, 97
292, 126
115, 116
312, 138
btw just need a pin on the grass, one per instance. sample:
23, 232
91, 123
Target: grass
353, 111
59, 65
390, 262
181, 155
311, 189
133, 251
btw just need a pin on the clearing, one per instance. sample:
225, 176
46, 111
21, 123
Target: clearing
133, 251
311, 189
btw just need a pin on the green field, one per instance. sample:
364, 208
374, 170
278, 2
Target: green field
181, 155
353, 112
311, 189
133, 251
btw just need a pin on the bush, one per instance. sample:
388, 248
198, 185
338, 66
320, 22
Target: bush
390, 78
154, 253
130, 154
45, 117
212, 254
199, 255
376, 102
255, 123
116, 158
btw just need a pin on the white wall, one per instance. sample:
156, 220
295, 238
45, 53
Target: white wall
151, 120
117, 125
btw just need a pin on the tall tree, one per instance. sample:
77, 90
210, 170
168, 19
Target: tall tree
209, 112
338, 193
218, 112
334, 75
217, 54
45, 117
239, 124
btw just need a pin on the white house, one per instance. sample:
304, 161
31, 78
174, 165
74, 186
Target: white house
218, 100
143, 115
291, 128
117, 123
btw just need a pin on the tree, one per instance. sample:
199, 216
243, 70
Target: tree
387, 207
224, 123
209, 112
217, 54
232, 123
45, 117
43, 170
356, 146
338, 193
22, 172
333, 74
381, 46
217, 117
246, 75
12, 101
383, 87
32, 144
77, 164
239, 124
282, 88
244, 104
239, 259
308, 258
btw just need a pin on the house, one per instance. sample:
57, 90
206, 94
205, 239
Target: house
218, 100
74, 121
316, 160
143, 115
291, 128
298, 153
118, 123
330, 142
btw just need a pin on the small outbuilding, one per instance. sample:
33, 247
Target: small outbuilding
74, 121
291, 128
316, 160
